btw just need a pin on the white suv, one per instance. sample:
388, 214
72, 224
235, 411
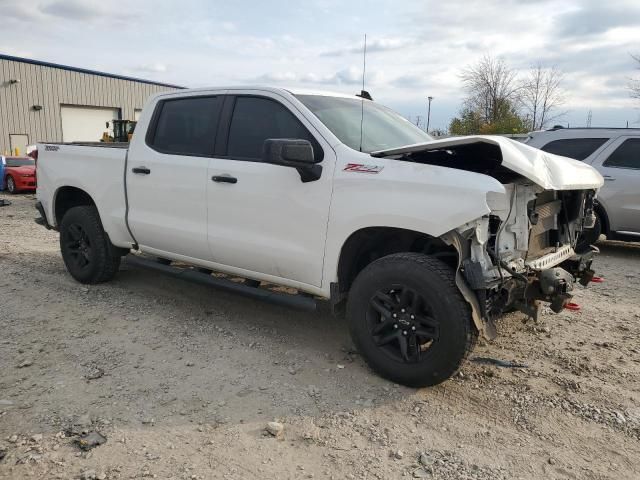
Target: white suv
615, 153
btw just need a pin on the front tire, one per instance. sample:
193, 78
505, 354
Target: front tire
11, 185
589, 236
409, 320
86, 249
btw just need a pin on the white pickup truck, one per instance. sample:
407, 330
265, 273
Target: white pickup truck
422, 243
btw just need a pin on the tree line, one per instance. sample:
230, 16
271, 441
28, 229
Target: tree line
500, 99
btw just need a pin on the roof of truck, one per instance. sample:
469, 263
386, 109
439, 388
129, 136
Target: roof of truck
293, 91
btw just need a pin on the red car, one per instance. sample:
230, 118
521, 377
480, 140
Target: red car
18, 173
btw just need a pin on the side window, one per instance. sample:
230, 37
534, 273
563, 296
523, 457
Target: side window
256, 119
626, 155
578, 148
186, 126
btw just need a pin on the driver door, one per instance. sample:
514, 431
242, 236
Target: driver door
261, 217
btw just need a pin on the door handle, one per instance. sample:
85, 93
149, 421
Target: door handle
608, 178
142, 170
224, 179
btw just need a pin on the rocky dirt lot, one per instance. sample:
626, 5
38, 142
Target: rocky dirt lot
182, 382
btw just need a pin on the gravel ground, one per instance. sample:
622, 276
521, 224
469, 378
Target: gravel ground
182, 382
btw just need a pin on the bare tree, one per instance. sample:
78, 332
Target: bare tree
542, 96
634, 86
492, 88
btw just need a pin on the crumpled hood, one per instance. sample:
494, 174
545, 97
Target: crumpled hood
551, 172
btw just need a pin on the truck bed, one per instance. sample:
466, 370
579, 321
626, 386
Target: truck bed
96, 168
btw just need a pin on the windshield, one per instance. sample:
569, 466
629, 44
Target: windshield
19, 162
382, 128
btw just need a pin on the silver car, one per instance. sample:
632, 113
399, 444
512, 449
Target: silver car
615, 153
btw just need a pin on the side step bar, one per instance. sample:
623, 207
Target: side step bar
299, 302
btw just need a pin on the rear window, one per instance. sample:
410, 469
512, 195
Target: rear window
187, 126
19, 162
578, 148
626, 155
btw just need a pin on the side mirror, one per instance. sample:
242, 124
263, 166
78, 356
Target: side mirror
294, 153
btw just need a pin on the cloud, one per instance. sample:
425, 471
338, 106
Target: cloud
75, 9
351, 76
228, 26
596, 18
152, 68
18, 11
411, 80
373, 45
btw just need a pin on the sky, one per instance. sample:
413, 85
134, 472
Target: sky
416, 48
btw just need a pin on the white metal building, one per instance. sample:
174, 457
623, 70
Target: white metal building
46, 102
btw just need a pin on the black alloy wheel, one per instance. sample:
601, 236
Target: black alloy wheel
401, 323
409, 320
78, 246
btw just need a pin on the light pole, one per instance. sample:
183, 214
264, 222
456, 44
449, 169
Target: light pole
429, 113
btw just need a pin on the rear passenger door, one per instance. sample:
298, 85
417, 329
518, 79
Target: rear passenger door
619, 164
263, 218
167, 176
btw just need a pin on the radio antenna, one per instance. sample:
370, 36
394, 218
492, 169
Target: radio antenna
364, 71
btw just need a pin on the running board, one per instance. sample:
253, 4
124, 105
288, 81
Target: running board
295, 301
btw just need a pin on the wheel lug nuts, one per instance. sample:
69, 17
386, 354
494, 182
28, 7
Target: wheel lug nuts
413, 328
404, 332
395, 325
413, 317
402, 310
395, 315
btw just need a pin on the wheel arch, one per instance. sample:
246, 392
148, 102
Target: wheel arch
368, 244
68, 197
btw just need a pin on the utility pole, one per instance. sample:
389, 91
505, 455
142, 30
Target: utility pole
429, 113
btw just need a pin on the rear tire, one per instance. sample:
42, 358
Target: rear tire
409, 320
11, 185
86, 249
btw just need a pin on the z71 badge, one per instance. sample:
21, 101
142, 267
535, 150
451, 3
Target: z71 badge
362, 168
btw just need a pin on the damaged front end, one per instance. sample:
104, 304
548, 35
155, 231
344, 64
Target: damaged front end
526, 249
524, 252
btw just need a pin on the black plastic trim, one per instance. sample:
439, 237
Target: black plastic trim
192, 275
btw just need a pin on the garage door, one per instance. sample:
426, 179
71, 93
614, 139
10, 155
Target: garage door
86, 124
